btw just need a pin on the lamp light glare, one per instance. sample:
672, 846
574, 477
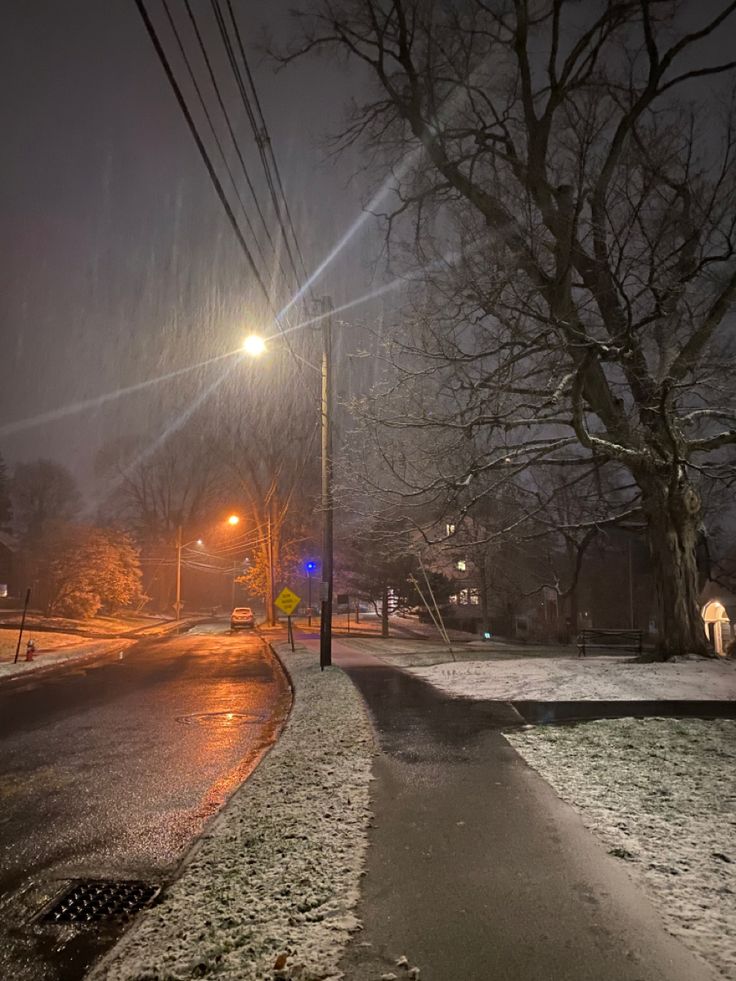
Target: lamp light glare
254, 345
233, 520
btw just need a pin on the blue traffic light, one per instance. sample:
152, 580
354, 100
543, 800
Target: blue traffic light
311, 566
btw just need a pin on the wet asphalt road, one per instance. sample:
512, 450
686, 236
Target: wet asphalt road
110, 769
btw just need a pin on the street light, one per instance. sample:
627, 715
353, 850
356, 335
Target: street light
179, 547
233, 520
256, 346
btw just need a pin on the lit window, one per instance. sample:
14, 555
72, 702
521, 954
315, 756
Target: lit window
450, 529
474, 597
463, 597
453, 600
461, 565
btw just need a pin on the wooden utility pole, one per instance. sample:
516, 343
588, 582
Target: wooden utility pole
325, 626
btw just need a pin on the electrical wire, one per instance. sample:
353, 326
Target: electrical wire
227, 42
152, 33
226, 115
267, 139
208, 117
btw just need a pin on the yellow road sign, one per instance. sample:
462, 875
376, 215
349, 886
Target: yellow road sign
287, 601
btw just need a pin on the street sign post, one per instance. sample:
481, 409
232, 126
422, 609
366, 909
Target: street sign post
287, 601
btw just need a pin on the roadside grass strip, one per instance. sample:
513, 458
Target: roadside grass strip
660, 795
270, 890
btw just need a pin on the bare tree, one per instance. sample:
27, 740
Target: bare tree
42, 492
154, 491
569, 173
267, 439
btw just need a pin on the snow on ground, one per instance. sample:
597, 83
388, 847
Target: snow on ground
45, 643
278, 872
63, 655
660, 795
578, 679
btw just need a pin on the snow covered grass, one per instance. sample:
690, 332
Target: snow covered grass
45, 658
44, 642
660, 795
275, 879
99, 626
590, 678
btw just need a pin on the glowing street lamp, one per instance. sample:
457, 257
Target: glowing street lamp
254, 345
233, 520
179, 547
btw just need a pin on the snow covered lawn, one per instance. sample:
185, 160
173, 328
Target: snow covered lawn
275, 879
76, 650
661, 796
584, 678
45, 643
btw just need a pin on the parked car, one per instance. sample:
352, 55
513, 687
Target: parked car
242, 616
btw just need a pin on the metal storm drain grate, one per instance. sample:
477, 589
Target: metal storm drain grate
94, 900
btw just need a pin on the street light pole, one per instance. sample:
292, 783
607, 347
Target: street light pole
325, 625
178, 572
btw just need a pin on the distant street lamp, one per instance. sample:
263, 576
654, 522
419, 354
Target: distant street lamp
179, 547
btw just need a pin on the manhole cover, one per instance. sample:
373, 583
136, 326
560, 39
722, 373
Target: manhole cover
224, 720
93, 900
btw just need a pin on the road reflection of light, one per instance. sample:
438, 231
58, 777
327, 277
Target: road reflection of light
264, 699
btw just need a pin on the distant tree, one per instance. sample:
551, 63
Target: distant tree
6, 507
271, 451
43, 493
81, 570
562, 176
152, 489
383, 562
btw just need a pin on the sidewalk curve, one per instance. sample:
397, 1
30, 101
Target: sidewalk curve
476, 869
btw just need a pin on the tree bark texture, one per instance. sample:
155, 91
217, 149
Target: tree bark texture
672, 510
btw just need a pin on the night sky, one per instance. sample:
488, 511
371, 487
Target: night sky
118, 261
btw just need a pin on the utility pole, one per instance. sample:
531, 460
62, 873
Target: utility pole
178, 572
271, 613
325, 625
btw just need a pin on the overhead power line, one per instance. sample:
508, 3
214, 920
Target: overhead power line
208, 117
267, 139
230, 51
231, 131
140, 4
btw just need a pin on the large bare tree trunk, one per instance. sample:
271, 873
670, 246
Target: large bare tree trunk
384, 610
672, 509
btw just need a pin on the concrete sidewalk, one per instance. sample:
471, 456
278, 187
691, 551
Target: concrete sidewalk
476, 869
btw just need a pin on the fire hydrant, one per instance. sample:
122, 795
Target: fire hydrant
30, 650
